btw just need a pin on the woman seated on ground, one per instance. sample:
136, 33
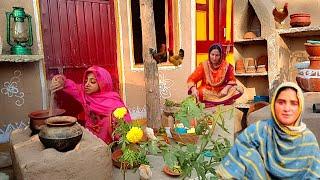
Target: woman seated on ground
97, 98
218, 83
278, 148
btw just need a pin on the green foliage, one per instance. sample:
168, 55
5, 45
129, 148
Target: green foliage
189, 110
192, 156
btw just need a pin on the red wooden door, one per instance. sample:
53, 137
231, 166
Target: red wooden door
76, 35
212, 25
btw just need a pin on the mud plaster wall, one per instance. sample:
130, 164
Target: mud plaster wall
172, 80
20, 88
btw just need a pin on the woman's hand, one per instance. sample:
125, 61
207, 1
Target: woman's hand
57, 83
194, 92
224, 91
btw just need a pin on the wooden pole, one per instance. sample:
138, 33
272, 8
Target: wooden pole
150, 65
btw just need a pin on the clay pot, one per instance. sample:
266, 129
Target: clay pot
312, 49
309, 80
61, 133
240, 68
38, 118
249, 35
314, 62
251, 68
263, 60
115, 156
300, 19
261, 69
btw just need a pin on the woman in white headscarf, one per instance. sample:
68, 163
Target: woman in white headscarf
278, 148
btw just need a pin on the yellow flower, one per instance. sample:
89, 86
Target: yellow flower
120, 112
134, 135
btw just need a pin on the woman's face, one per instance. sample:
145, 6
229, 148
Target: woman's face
91, 84
215, 57
287, 107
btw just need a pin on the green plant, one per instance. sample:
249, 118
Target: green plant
134, 151
192, 156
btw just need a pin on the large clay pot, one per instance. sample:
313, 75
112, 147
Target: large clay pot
312, 49
309, 79
38, 118
300, 19
61, 133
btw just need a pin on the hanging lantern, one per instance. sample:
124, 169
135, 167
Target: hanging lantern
19, 31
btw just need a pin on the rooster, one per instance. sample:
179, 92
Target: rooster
280, 14
161, 56
176, 59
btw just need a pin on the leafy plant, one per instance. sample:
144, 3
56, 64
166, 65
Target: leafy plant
134, 152
205, 157
189, 110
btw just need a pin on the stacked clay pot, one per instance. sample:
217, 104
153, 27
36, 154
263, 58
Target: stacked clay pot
240, 68
251, 68
309, 79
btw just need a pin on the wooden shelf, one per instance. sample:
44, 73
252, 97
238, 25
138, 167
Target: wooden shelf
250, 41
251, 74
20, 58
300, 31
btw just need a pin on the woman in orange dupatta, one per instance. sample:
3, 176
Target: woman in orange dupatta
218, 83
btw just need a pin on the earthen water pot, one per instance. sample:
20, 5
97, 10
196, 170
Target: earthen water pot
300, 19
38, 118
309, 80
61, 133
312, 49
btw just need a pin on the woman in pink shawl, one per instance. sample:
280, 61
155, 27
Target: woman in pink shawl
97, 98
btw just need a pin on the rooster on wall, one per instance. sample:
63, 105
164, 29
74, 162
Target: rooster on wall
160, 56
280, 15
176, 59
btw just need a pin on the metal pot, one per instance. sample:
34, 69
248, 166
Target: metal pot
61, 132
38, 118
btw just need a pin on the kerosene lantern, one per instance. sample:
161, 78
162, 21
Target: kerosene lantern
20, 31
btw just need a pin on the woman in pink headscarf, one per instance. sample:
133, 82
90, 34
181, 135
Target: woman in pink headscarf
97, 98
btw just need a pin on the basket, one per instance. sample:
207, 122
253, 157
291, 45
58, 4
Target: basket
184, 138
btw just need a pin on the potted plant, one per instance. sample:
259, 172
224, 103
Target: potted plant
131, 151
204, 156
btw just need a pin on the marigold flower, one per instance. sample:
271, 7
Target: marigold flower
134, 135
119, 113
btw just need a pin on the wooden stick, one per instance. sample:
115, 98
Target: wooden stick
51, 108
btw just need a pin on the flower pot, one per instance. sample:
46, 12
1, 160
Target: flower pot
61, 133
38, 118
312, 49
309, 79
184, 138
300, 19
115, 156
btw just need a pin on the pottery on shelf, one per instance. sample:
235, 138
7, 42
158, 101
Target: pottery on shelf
309, 79
249, 35
312, 49
263, 60
300, 19
240, 68
38, 118
251, 65
62, 133
261, 69
314, 62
